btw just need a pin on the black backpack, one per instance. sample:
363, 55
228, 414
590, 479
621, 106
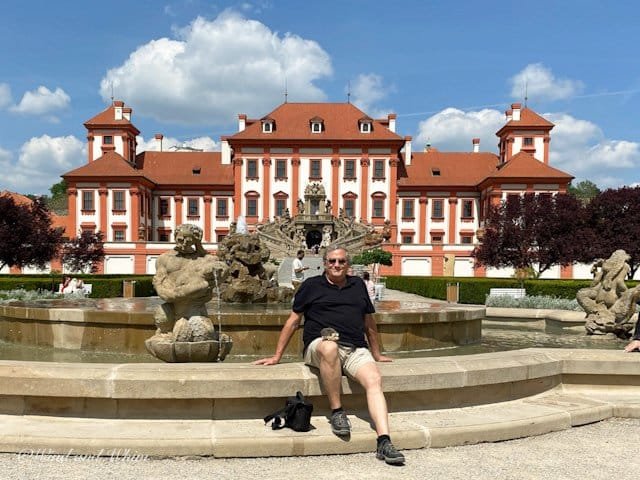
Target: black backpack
296, 414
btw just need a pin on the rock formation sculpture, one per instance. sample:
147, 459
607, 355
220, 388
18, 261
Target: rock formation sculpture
185, 279
608, 302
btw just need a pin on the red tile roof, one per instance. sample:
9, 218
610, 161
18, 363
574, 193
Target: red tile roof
524, 165
456, 168
171, 168
528, 119
161, 168
111, 164
108, 118
292, 123
18, 198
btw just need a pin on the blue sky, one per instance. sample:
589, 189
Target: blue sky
447, 69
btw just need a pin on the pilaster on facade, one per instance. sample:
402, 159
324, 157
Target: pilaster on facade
237, 193
72, 206
102, 193
453, 204
422, 202
335, 179
177, 198
364, 186
134, 214
266, 187
393, 191
208, 199
90, 140
295, 181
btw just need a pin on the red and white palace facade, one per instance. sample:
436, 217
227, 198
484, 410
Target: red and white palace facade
434, 201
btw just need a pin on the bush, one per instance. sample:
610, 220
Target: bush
103, 286
476, 290
543, 301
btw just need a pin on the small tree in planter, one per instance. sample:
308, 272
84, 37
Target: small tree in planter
375, 257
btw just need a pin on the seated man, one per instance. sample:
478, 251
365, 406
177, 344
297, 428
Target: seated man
341, 303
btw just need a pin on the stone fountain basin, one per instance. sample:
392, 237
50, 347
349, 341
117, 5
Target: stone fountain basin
123, 325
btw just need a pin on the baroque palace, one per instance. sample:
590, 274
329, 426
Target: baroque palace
307, 174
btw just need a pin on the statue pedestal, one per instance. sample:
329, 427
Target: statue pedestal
180, 352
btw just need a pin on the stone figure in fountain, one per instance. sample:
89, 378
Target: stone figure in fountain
185, 279
608, 302
249, 278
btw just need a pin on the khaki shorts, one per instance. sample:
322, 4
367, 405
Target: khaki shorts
351, 359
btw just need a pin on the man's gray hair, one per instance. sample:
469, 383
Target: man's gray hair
333, 248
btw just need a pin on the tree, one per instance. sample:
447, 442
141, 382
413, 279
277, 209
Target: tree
585, 191
614, 223
27, 237
532, 232
375, 257
82, 253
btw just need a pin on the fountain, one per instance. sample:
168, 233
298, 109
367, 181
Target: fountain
216, 409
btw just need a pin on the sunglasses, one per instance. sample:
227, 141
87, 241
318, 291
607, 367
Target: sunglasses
340, 261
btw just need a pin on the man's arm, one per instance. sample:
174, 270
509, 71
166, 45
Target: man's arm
289, 328
371, 330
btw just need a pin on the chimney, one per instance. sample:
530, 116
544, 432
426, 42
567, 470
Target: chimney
242, 122
159, 138
508, 115
118, 105
225, 151
516, 111
407, 150
427, 147
476, 145
126, 113
392, 122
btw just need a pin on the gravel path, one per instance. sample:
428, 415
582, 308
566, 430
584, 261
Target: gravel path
607, 450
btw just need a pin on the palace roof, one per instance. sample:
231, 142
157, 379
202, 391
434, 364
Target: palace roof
292, 122
436, 168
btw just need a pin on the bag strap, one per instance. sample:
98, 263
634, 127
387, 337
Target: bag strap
277, 418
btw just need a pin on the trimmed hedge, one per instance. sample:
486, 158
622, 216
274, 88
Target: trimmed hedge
475, 290
103, 286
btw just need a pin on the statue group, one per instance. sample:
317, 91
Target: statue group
608, 302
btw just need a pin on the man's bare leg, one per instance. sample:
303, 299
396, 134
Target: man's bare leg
330, 371
368, 375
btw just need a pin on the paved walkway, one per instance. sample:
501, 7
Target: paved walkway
601, 451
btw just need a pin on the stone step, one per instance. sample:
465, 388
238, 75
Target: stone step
551, 411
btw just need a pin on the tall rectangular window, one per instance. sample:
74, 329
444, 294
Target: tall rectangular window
467, 209
437, 208
193, 207
349, 169
118, 200
252, 207
315, 171
221, 207
281, 204
378, 207
349, 207
281, 169
252, 168
87, 200
164, 207
378, 169
407, 209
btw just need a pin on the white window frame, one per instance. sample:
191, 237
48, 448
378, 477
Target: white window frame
316, 127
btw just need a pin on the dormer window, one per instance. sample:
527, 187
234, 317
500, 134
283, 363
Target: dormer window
317, 125
435, 171
267, 126
365, 124
196, 170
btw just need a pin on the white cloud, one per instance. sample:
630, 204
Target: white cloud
217, 69
367, 90
580, 148
5, 95
43, 101
452, 130
40, 163
206, 144
541, 84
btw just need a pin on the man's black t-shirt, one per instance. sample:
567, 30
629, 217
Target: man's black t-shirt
326, 305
